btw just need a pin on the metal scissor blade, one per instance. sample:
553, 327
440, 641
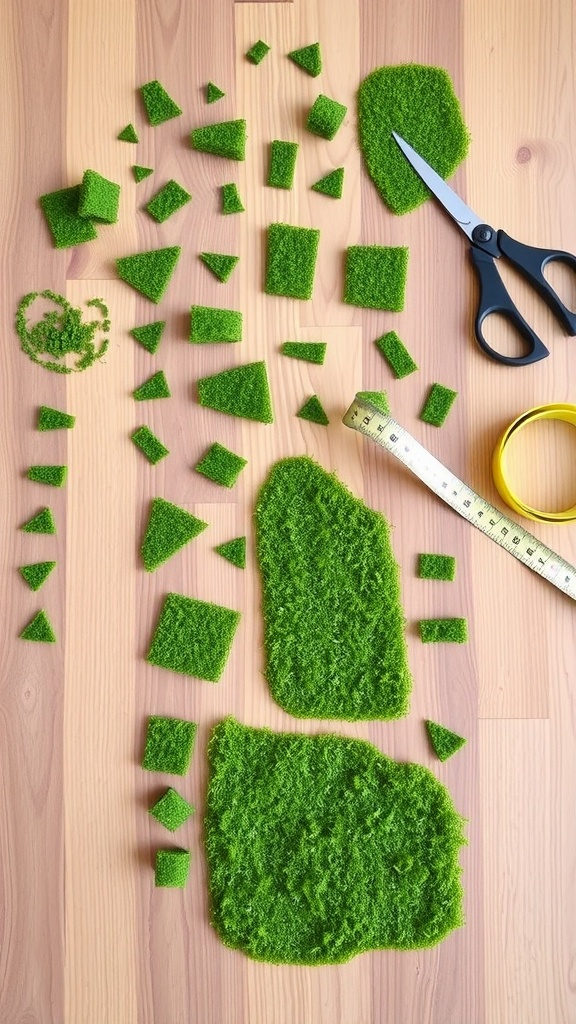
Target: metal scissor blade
464, 217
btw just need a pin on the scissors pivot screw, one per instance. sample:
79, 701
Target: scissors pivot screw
482, 233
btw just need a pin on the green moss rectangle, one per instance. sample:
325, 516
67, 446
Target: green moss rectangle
396, 355
209, 325
443, 631
282, 164
291, 260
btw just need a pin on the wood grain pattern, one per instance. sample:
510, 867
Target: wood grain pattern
84, 935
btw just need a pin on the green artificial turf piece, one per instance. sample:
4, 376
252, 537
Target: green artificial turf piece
172, 868
149, 272
221, 465
321, 847
35, 575
193, 637
309, 351
313, 410
257, 52
243, 391
282, 164
99, 198
39, 630
377, 398
159, 105
443, 631
43, 522
155, 387
375, 276
226, 139
169, 528
308, 58
149, 336
234, 551
140, 172
325, 117
220, 264
436, 567
213, 93
53, 475
149, 445
291, 260
231, 202
438, 404
169, 745
170, 198
334, 624
444, 742
53, 419
419, 103
67, 226
396, 354
171, 810
128, 134
209, 325
331, 184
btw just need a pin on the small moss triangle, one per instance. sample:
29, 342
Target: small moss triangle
53, 419
39, 630
331, 184
149, 272
313, 410
37, 573
149, 335
169, 529
213, 93
243, 391
308, 58
444, 741
128, 134
140, 172
41, 523
155, 387
234, 551
220, 265
377, 398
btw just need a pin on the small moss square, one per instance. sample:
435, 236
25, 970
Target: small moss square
61, 212
54, 419
436, 567
159, 105
325, 117
282, 163
438, 404
149, 445
396, 354
291, 260
169, 745
443, 631
172, 810
257, 52
99, 198
221, 465
193, 637
172, 868
209, 325
231, 201
170, 198
375, 276
53, 475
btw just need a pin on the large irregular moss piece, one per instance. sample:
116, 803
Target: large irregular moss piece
149, 272
419, 103
227, 139
333, 621
321, 847
242, 391
169, 529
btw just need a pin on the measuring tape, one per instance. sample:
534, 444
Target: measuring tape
387, 433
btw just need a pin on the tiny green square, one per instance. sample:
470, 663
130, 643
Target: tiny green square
193, 637
257, 52
325, 117
221, 465
172, 868
67, 226
375, 276
171, 810
169, 745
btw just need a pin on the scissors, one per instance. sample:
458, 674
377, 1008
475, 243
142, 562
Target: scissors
488, 245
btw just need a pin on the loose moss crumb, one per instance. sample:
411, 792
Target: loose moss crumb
443, 631
159, 105
291, 260
128, 134
169, 745
149, 335
221, 465
313, 410
257, 52
53, 419
213, 93
193, 637
227, 139
171, 810
155, 387
325, 117
170, 198
53, 475
282, 164
149, 445
309, 58
436, 567
231, 202
99, 198
375, 276
444, 742
438, 404
168, 530
220, 264
396, 354
39, 630
243, 391
35, 575
43, 522
149, 272
68, 228
61, 333
331, 184
209, 325
309, 351
234, 551
140, 172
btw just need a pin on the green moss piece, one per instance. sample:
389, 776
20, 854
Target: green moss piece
61, 332
334, 624
209, 325
226, 139
53, 419
396, 354
172, 868
149, 445
444, 742
149, 272
231, 202
43, 522
169, 745
172, 810
443, 631
155, 387
309, 58
221, 465
141, 172
320, 848
159, 105
169, 528
220, 264
438, 404
193, 637
39, 630
325, 117
55, 476
282, 164
170, 198
68, 228
377, 398
99, 198
375, 276
234, 551
242, 391
128, 134
436, 567
419, 103
35, 575
331, 184
149, 335
213, 93
257, 52
291, 260
309, 351
313, 410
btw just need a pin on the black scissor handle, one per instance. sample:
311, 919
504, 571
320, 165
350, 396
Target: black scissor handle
494, 298
530, 262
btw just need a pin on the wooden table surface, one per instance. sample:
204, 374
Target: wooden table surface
85, 938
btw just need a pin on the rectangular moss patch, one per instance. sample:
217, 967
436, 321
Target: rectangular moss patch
149, 445
221, 465
170, 198
282, 164
436, 567
291, 260
53, 475
443, 631
193, 637
169, 745
231, 201
396, 355
438, 404
209, 325
375, 276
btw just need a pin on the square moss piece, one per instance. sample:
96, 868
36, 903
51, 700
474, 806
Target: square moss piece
171, 810
172, 868
193, 637
291, 260
375, 276
221, 465
168, 200
325, 117
99, 198
67, 226
257, 52
169, 745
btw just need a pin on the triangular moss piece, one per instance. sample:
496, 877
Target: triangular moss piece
225, 139
308, 58
37, 573
41, 523
53, 419
149, 335
313, 410
220, 265
155, 387
128, 134
444, 741
149, 272
39, 629
159, 105
243, 391
377, 398
213, 93
140, 172
234, 551
331, 184
169, 529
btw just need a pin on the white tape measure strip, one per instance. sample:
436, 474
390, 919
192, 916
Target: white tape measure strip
387, 433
